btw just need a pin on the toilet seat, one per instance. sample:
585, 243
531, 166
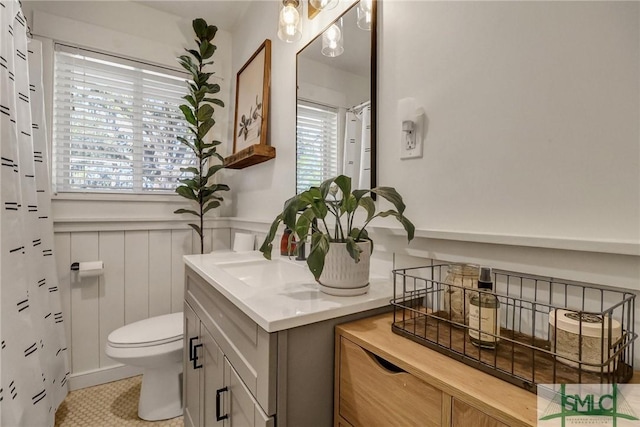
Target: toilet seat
149, 332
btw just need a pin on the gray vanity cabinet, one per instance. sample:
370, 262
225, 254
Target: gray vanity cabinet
254, 377
214, 393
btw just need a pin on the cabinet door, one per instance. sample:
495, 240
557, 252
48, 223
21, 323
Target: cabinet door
212, 361
191, 376
242, 408
463, 415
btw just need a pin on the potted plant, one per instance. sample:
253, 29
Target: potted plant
339, 241
199, 114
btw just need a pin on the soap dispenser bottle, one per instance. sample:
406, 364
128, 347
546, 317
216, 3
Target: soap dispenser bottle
484, 313
285, 248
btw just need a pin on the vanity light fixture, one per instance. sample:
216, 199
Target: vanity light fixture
332, 40
315, 6
289, 22
365, 13
324, 4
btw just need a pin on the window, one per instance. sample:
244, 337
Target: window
116, 124
317, 144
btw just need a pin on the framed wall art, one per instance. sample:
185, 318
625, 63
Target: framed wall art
252, 107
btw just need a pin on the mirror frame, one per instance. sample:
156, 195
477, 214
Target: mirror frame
373, 89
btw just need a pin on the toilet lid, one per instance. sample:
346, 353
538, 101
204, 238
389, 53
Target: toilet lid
148, 332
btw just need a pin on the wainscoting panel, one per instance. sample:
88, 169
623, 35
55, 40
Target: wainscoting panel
136, 276
112, 291
160, 272
143, 277
85, 305
181, 241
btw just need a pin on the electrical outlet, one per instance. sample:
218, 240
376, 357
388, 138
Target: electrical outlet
410, 141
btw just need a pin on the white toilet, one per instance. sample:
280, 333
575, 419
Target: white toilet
155, 344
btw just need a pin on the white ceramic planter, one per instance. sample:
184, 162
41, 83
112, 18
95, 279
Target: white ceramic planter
342, 275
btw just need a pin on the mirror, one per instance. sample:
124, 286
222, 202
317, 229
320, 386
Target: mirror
336, 99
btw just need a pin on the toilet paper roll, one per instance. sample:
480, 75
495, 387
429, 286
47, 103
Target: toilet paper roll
90, 269
243, 242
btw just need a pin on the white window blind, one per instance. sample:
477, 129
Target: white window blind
116, 124
317, 144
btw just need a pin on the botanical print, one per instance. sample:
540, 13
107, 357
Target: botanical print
249, 103
249, 125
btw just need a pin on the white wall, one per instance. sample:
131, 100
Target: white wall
533, 114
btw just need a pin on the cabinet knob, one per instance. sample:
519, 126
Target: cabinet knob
218, 409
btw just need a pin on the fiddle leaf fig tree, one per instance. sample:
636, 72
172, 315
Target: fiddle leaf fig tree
198, 112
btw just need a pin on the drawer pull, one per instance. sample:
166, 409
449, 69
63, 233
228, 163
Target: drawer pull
218, 409
191, 352
195, 356
385, 364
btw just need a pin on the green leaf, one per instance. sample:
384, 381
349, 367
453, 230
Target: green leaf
204, 127
290, 212
195, 53
186, 192
190, 169
209, 51
303, 224
205, 112
197, 229
213, 169
369, 205
344, 184
188, 64
189, 211
317, 254
212, 205
353, 249
349, 203
267, 245
188, 114
214, 101
190, 182
190, 100
390, 194
213, 88
211, 32
186, 142
200, 28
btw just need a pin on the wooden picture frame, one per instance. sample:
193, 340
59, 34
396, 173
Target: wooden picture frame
252, 109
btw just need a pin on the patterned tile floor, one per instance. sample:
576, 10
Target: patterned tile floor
113, 404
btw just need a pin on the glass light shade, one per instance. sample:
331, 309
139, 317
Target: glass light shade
365, 12
289, 23
324, 4
332, 41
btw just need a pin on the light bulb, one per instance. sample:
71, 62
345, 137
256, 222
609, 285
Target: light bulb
289, 23
332, 43
365, 11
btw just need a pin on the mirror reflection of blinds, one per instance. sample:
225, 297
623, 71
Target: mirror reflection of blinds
116, 125
317, 144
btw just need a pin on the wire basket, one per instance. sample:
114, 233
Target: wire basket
535, 345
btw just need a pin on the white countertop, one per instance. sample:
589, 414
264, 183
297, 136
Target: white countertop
283, 304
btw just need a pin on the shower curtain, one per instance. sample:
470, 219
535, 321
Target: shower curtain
357, 146
33, 351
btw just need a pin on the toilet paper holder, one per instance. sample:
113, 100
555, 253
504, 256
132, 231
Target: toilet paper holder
87, 269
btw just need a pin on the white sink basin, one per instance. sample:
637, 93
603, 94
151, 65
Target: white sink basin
266, 273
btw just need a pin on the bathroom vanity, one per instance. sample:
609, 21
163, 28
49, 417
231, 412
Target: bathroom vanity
259, 340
